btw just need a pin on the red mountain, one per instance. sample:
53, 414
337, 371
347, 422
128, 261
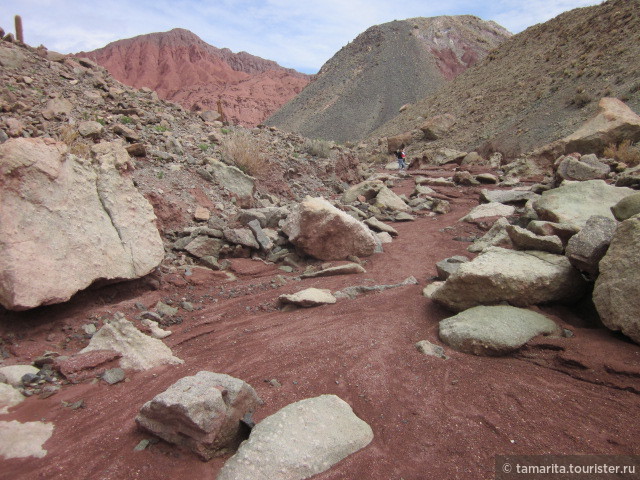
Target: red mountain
183, 68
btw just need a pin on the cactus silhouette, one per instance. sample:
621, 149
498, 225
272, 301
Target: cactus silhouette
19, 33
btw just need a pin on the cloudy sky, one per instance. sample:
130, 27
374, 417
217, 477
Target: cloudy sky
295, 33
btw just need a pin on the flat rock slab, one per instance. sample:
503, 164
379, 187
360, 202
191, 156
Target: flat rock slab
139, 351
13, 373
493, 331
20, 440
521, 278
311, 297
346, 269
508, 196
576, 202
486, 210
201, 412
524, 239
299, 441
9, 397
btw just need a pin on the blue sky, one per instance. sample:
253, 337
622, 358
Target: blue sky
295, 33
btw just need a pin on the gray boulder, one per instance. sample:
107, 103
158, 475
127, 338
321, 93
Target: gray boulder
587, 167
496, 236
449, 265
616, 294
627, 207
587, 247
298, 441
562, 230
575, 203
524, 239
234, 180
521, 278
493, 331
507, 196
202, 413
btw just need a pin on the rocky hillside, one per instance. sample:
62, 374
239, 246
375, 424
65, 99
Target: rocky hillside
538, 86
389, 65
186, 70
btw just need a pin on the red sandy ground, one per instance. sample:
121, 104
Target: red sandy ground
431, 418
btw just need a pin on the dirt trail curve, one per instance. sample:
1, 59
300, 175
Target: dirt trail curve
432, 418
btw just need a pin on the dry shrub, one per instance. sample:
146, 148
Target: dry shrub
77, 145
624, 152
239, 148
318, 148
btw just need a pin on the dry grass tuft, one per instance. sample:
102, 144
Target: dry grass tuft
239, 148
624, 152
77, 145
318, 148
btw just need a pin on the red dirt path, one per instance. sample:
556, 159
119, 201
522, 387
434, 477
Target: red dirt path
431, 418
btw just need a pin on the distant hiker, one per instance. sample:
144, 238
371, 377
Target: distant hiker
401, 155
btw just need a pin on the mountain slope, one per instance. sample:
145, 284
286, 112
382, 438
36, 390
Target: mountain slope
182, 68
538, 86
387, 66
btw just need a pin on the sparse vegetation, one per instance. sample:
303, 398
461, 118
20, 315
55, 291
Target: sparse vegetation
239, 148
126, 120
225, 131
160, 128
318, 148
77, 145
624, 152
581, 99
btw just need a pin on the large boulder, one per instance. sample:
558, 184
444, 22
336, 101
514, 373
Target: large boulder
576, 202
437, 127
521, 278
298, 441
587, 167
617, 290
375, 192
322, 231
627, 207
587, 247
67, 222
234, 180
138, 351
493, 331
202, 413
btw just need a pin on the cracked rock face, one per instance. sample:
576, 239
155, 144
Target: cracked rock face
67, 222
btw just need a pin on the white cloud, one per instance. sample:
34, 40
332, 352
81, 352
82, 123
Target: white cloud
296, 34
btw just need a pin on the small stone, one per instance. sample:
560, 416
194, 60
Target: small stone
428, 348
144, 443
113, 376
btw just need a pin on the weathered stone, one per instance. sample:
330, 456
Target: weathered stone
354, 291
154, 328
9, 397
13, 373
587, 247
617, 290
497, 330
139, 351
201, 214
81, 366
261, 237
436, 127
442, 156
241, 236
521, 278
575, 203
346, 269
585, 168
449, 265
430, 289
379, 226
234, 180
203, 413
127, 133
321, 230
629, 178
423, 190
627, 207
68, 222
137, 150
90, 129
507, 196
384, 237
462, 177
386, 199
113, 376
204, 246
368, 190
59, 106
563, 230
299, 441
310, 297
395, 142
427, 348
523, 239
496, 236
21, 440
486, 177
487, 210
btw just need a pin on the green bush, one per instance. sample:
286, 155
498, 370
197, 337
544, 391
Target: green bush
126, 120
